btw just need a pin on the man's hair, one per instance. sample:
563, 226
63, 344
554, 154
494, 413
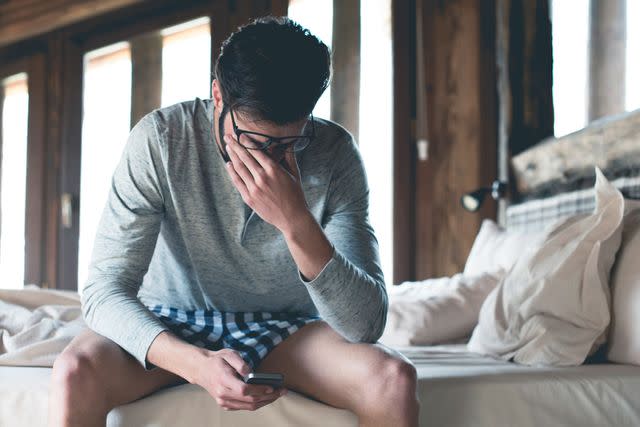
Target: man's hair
273, 69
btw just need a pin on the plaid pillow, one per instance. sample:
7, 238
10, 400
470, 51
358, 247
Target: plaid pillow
536, 215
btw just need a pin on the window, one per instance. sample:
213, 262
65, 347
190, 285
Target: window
375, 105
376, 121
105, 127
570, 28
186, 63
186, 74
571, 24
14, 121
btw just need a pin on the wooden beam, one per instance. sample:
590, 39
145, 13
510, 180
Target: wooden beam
22, 19
345, 85
138, 19
607, 57
611, 143
404, 42
461, 108
525, 77
146, 79
35, 221
70, 160
54, 92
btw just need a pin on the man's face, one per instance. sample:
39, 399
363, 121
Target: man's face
225, 127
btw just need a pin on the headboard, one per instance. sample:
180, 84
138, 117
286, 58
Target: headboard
555, 178
535, 215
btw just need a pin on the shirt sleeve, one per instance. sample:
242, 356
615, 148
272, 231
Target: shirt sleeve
123, 246
349, 292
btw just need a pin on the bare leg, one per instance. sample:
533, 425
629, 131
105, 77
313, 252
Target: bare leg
94, 375
378, 384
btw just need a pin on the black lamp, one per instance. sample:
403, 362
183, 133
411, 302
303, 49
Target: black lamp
473, 200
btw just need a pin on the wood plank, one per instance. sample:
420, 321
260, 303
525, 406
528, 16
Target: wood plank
19, 21
607, 58
70, 161
54, 93
403, 42
345, 85
526, 74
146, 79
611, 143
36, 169
461, 110
138, 19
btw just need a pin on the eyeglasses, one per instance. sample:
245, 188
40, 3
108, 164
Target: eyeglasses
254, 140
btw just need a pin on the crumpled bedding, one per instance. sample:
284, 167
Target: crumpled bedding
37, 324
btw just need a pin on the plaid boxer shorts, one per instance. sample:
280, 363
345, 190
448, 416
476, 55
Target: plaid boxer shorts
252, 334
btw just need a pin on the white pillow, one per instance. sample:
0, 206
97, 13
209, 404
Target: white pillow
496, 248
553, 307
624, 337
435, 311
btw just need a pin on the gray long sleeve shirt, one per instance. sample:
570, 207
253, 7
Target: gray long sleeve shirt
175, 231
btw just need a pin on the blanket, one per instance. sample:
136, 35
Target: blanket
37, 324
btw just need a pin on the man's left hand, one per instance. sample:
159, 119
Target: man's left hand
272, 191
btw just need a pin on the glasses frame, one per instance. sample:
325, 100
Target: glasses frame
271, 139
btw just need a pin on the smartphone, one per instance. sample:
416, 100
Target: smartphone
273, 380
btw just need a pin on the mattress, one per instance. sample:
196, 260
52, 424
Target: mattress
456, 388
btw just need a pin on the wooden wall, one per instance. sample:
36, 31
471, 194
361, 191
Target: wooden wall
473, 82
455, 69
404, 113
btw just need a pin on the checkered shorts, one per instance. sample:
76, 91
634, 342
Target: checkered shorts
252, 334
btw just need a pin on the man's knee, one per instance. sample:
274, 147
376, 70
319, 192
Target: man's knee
74, 374
394, 382
399, 375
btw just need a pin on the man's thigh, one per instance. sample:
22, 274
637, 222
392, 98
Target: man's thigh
119, 374
320, 363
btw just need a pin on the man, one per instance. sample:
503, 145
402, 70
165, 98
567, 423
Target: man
236, 239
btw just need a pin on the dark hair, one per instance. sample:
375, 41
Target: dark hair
273, 69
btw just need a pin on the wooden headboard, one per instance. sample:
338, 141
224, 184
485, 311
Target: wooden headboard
558, 165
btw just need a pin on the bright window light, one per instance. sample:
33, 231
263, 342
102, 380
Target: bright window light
186, 62
105, 128
317, 17
376, 127
570, 28
14, 121
376, 102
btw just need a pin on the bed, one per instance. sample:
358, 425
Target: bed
456, 387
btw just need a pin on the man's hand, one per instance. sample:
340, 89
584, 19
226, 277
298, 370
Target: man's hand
272, 191
220, 373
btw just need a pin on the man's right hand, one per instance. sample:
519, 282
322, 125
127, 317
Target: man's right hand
218, 372
221, 372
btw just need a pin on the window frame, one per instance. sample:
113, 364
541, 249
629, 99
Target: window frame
35, 214
55, 69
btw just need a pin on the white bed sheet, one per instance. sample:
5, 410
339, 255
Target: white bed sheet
456, 388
